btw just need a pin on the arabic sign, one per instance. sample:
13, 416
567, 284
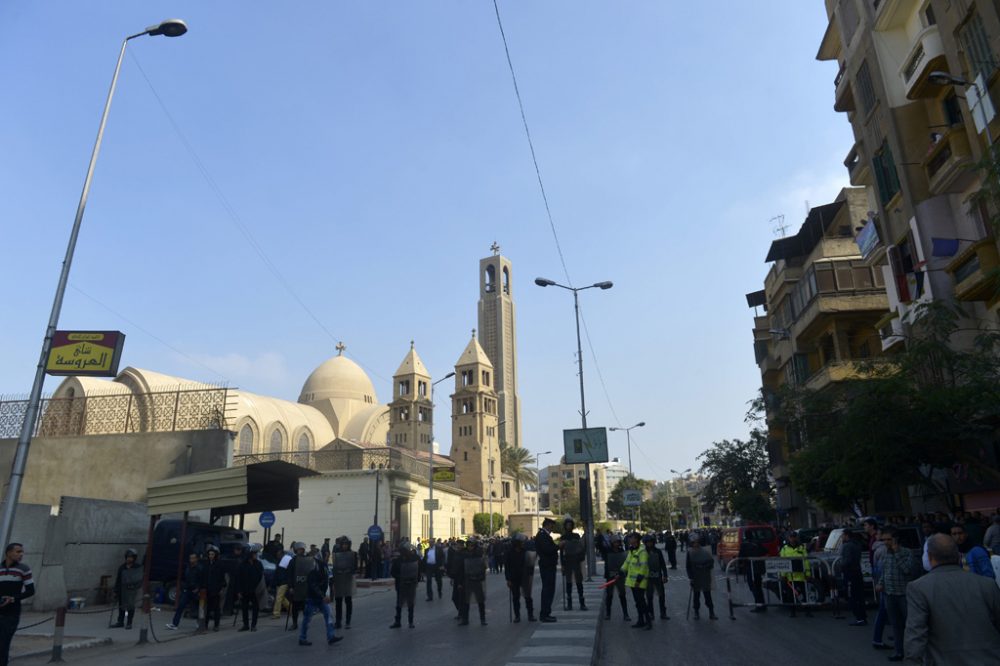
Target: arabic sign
868, 239
88, 353
585, 446
632, 497
444, 473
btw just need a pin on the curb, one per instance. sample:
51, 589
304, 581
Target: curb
595, 658
79, 645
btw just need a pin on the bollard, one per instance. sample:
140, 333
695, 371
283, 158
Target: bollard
57, 636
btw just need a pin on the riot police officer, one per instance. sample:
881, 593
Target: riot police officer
519, 569
345, 566
128, 582
572, 550
473, 580
612, 566
405, 570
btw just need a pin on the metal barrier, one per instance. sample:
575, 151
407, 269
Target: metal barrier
793, 582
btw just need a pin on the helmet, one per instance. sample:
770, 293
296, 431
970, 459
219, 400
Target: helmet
616, 538
130, 552
296, 545
649, 538
212, 548
406, 546
634, 535
472, 541
568, 520
255, 548
521, 538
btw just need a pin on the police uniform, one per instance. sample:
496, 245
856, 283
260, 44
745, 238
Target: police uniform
405, 570
613, 563
519, 570
345, 566
636, 570
474, 581
657, 578
572, 546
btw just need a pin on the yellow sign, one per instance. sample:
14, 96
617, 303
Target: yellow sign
89, 353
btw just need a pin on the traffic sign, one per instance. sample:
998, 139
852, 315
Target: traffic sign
632, 497
266, 519
375, 533
432, 504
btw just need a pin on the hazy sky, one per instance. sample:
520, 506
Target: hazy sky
374, 151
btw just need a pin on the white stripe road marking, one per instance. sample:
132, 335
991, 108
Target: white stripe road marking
549, 651
548, 634
548, 663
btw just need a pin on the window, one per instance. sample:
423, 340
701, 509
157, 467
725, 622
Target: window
885, 173
490, 283
976, 43
468, 406
467, 377
491, 467
465, 457
304, 444
422, 389
952, 111
404, 387
486, 378
865, 89
506, 280
277, 441
929, 18
506, 489
246, 440
403, 413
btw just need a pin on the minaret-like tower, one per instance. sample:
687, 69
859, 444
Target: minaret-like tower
497, 335
410, 411
475, 445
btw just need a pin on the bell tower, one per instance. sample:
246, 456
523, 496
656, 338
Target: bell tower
410, 411
497, 335
475, 442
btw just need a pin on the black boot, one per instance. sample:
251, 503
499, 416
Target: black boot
397, 624
482, 614
409, 616
530, 607
583, 606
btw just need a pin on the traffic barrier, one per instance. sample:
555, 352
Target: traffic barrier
57, 635
793, 582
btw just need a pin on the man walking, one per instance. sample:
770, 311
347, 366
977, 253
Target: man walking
299, 569
189, 585
519, 570
128, 582
248, 577
670, 544
548, 559
16, 585
473, 580
974, 558
850, 563
456, 569
434, 558
898, 565
282, 575
612, 569
406, 571
754, 569
317, 600
953, 616
214, 579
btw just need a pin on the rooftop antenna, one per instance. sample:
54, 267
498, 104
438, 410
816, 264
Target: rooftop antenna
779, 227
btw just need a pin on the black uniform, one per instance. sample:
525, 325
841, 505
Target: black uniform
455, 568
519, 569
670, 544
548, 559
754, 571
248, 577
128, 583
213, 580
405, 570
345, 566
612, 565
474, 582
572, 549
655, 582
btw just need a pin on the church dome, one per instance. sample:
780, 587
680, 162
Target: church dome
338, 378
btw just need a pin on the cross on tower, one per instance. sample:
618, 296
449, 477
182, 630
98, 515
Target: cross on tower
495, 248
340, 348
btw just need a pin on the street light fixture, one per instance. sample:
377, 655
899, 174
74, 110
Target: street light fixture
628, 437
945, 79
538, 487
589, 520
168, 28
430, 464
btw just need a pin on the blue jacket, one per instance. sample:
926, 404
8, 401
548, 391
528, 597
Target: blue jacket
977, 560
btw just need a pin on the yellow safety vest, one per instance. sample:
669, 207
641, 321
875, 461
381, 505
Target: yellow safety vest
636, 564
800, 552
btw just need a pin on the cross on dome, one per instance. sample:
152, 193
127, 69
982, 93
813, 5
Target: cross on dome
340, 348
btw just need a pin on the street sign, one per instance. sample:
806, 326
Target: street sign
89, 353
632, 497
585, 446
266, 519
375, 533
432, 504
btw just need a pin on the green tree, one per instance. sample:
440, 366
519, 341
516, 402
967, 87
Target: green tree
481, 523
909, 421
517, 462
616, 504
655, 513
738, 474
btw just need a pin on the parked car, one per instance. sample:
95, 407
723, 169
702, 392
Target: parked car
733, 538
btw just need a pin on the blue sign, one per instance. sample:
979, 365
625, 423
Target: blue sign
375, 533
266, 519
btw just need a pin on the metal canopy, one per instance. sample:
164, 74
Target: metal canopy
266, 486
756, 298
808, 236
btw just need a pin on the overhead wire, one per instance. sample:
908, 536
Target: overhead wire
234, 216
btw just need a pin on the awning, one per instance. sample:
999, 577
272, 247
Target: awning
756, 299
802, 243
228, 491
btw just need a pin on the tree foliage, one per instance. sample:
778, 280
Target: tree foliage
655, 513
738, 473
616, 503
930, 407
518, 462
481, 523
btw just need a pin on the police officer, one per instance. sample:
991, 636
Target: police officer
213, 582
345, 567
519, 570
670, 544
613, 563
127, 585
571, 547
636, 571
248, 577
455, 567
473, 580
657, 577
548, 559
298, 588
434, 559
405, 570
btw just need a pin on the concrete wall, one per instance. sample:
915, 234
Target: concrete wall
113, 467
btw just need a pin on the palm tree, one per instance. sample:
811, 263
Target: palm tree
516, 461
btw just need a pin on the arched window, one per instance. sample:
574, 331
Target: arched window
246, 440
277, 441
304, 444
506, 280
491, 279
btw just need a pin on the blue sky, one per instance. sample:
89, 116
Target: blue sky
374, 151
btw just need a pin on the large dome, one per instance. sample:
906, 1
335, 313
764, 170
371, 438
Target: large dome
338, 378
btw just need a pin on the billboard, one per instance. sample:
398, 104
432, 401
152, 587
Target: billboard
585, 446
85, 353
632, 497
867, 239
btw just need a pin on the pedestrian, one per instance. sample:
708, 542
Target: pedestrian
882, 614
548, 559
519, 570
405, 570
636, 570
455, 569
298, 582
991, 541
613, 569
670, 545
189, 588
128, 582
213, 580
231, 567
952, 616
850, 566
324, 550
345, 567
282, 576
249, 576
16, 585
898, 566
974, 558
317, 599
657, 578
699, 565
364, 553
386, 560
434, 558
571, 548
753, 568
473, 580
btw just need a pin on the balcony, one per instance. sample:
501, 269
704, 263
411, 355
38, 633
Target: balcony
947, 163
835, 371
975, 272
857, 167
844, 98
891, 14
926, 56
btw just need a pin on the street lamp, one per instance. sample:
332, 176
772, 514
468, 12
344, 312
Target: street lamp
670, 519
430, 465
946, 79
589, 519
538, 487
168, 28
628, 437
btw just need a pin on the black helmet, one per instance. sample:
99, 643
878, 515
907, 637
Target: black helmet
649, 538
131, 552
212, 548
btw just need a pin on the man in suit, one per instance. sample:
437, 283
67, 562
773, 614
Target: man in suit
953, 616
548, 560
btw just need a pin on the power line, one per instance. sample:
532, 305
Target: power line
235, 217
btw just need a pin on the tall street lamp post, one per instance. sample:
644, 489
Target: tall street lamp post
538, 488
589, 536
430, 464
628, 437
669, 517
168, 28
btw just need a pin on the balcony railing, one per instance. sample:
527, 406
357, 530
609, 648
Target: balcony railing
947, 162
926, 55
976, 272
381, 458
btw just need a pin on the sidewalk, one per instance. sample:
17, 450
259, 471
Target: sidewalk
84, 629
572, 638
